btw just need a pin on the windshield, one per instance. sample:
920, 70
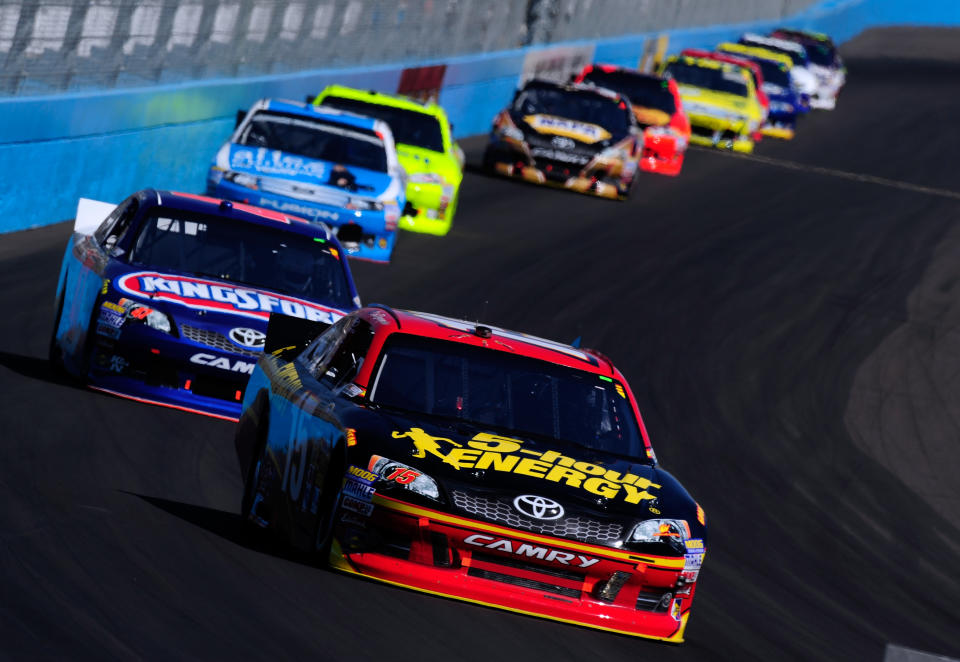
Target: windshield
244, 253
408, 126
646, 91
589, 107
821, 55
720, 79
316, 139
773, 72
506, 391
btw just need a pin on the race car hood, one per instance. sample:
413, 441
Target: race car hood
700, 97
214, 301
585, 136
470, 458
417, 160
263, 162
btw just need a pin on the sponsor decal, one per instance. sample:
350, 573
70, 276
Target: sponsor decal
247, 337
274, 162
560, 126
221, 297
538, 507
556, 63
493, 452
701, 516
530, 551
108, 330
117, 364
111, 318
403, 475
222, 362
350, 518
358, 489
364, 508
356, 472
695, 545
299, 210
115, 307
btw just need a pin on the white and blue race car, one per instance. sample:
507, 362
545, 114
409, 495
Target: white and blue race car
318, 163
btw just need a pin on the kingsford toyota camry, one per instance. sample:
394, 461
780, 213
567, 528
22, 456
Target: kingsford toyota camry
165, 297
469, 462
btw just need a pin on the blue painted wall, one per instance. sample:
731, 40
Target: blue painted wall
105, 145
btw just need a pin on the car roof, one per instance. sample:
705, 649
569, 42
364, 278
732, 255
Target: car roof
382, 99
773, 42
706, 63
613, 68
729, 58
237, 211
757, 52
321, 112
578, 88
428, 325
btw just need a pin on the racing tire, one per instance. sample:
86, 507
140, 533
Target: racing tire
327, 508
254, 475
54, 351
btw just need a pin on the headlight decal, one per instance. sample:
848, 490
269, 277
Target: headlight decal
405, 476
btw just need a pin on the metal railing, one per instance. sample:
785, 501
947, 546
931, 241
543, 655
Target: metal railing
48, 46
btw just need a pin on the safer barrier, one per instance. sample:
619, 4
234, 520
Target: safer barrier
53, 149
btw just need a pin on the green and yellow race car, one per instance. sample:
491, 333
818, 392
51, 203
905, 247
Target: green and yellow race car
720, 100
425, 147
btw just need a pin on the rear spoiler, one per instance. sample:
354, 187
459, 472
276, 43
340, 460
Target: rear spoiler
90, 214
288, 336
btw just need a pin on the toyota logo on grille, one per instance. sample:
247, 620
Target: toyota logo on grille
538, 507
248, 337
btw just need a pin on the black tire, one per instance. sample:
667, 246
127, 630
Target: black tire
254, 472
327, 508
54, 352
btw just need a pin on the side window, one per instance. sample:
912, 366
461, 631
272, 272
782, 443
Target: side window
348, 357
316, 355
116, 224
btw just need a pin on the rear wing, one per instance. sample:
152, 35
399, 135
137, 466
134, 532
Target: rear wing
288, 336
90, 214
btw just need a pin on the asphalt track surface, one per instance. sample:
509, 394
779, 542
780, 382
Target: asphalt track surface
786, 322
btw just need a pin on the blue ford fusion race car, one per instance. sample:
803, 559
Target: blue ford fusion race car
167, 300
320, 163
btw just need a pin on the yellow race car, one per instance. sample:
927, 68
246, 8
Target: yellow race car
720, 99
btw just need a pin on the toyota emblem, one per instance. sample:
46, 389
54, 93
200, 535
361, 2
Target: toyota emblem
538, 507
247, 337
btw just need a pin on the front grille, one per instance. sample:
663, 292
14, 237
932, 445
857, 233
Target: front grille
520, 565
577, 528
216, 340
526, 583
702, 131
654, 601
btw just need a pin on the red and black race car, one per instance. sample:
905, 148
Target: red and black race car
659, 111
469, 462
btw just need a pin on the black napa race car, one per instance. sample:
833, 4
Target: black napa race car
469, 462
575, 136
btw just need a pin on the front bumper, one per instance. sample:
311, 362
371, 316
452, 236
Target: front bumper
375, 242
712, 131
465, 559
434, 206
155, 368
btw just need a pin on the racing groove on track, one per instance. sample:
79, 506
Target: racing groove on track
740, 301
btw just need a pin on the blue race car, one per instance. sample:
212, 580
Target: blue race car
167, 300
320, 163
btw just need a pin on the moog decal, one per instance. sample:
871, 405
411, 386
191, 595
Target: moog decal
212, 295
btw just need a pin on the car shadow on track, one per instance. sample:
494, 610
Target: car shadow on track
35, 368
230, 527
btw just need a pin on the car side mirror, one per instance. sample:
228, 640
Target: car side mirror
241, 115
